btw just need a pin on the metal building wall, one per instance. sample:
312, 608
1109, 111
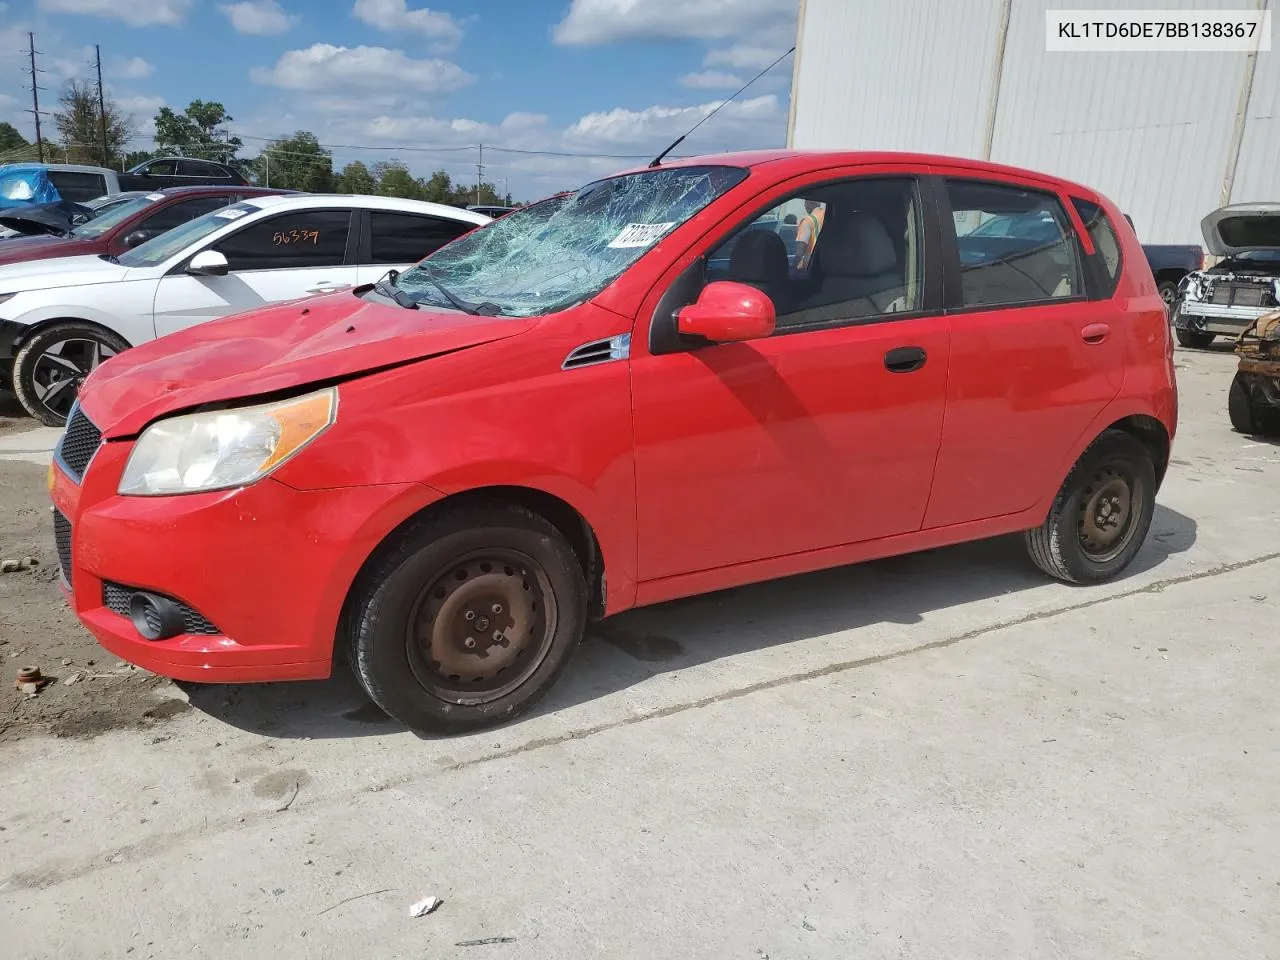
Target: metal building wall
1151, 131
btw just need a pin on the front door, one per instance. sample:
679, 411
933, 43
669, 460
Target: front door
825, 433
286, 257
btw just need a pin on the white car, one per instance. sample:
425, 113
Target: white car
60, 318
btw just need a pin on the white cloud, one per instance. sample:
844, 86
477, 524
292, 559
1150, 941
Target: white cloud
742, 57
131, 68
136, 13
711, 80
590, 22
258, 18
326, 67
744, 123
395, 15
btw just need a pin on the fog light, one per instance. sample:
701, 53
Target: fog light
155, 618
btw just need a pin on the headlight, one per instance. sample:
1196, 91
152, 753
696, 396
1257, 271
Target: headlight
225, 448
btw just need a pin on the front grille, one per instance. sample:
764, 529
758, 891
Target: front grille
62, 539
80, 441
115, 597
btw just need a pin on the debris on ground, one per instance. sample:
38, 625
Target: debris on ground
30, 681
484, 942
292, 797
424, 906
14, 566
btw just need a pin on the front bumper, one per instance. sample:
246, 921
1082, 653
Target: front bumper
269, 565
1215, 317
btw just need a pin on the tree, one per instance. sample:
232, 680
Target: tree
135, 157
356, 178
199, 131
298, 162
10, 138
466, 194
439, 187
79, 123
395, 180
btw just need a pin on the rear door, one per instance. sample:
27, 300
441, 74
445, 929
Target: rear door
1034, 359
282, 257
392, 240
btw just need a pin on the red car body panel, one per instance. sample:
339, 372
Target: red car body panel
693, 471
24, 249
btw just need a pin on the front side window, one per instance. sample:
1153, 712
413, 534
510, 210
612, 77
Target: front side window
860, 258
408, 237
302, 238
565, 250
1028, 256
180, 212
173, 242
161, 168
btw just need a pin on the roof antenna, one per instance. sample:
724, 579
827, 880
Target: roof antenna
657, 161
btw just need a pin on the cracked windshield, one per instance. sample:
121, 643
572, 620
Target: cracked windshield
567, 249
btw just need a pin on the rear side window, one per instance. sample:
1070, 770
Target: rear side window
1104, 241
78, 187
303, 238
200, 168
1016, 245
407, 238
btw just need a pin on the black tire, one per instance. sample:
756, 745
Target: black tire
392, 605
50, 366
1063, 546
1168, 293
1194, 338
1240, 407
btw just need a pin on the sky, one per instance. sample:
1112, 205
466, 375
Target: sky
601, 80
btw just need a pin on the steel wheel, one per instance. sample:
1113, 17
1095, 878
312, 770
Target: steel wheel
482, 626
1105, 523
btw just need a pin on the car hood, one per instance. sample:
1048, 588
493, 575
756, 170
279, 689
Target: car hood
20, 249
277, 348
1240, 227
57, 272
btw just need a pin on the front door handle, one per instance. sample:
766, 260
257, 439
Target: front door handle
905, 359
1095, 332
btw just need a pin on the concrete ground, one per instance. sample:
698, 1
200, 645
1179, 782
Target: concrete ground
940, 756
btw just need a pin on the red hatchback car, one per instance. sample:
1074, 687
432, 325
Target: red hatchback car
612, 398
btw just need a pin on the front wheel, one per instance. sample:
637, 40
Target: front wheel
1168, 293
1194, 338
49, 368
1101, 515
467, 618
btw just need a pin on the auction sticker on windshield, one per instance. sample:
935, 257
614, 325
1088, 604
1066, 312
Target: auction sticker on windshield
231, 213
640, 234
155, 196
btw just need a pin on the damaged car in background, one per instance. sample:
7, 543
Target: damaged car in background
1253, 402
1225, 299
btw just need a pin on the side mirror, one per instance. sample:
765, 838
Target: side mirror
137, 237
728, 312
208, 263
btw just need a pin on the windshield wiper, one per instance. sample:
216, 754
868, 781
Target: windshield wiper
475, 309
401, 298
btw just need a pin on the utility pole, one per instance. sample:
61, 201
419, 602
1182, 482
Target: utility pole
479, 174
35, 95
102, 109
266, 157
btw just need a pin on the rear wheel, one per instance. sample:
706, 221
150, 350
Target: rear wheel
1100, 518
468, 618
1168, 293
1194, 338
50, 367
1240, 407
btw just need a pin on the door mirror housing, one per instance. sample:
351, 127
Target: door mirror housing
137, 237
728, 312
208, 263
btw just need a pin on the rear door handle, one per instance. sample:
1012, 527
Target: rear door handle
1095, 332
905, 359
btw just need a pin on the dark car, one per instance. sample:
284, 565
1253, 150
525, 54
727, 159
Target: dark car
128, 224
180, 172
